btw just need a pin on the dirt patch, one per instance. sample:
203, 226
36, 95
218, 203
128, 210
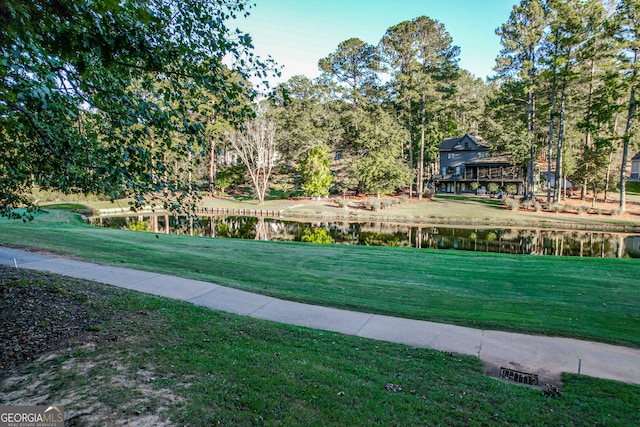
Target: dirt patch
39, 314
51, 331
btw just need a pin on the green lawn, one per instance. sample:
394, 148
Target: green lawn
163, 360
596, 299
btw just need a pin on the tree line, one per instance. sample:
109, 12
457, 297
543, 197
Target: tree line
102, 105
563, 97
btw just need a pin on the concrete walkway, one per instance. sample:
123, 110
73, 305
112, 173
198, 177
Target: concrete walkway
546, 356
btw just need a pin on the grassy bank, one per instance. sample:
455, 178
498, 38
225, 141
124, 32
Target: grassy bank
596, 299
154, 361
444, 209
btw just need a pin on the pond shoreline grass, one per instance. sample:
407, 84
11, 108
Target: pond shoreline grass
593, 299
466, 210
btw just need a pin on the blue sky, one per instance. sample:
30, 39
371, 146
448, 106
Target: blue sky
297, 33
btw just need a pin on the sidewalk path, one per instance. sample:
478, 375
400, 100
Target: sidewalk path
546, 356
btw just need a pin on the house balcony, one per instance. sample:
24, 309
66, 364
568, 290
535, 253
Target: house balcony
510, 174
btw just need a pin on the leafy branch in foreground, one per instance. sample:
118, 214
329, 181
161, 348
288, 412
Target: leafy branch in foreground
92, 98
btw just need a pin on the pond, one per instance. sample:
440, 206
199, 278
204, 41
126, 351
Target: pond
483, 239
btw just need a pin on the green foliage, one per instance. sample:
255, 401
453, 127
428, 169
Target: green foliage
510, 189
316, 173
93, 99
139, 226
353, 65
493, 187
633, 188
230, 176
304, 117
317, 235
383, 239
380, 172
474, 186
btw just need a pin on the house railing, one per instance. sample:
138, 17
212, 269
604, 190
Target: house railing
484, 174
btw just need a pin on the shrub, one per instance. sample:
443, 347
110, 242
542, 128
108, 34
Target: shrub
492, 187
474, 186
582, 209
387, 203
343, 203
527, 204
372, 203
615, 211
403, 199
510, 189
557, 207
511, 204
139, 226
428, 194
597, 210
317, 235
537, 206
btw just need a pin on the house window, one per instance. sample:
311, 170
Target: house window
338, 155
451, 156
466, 145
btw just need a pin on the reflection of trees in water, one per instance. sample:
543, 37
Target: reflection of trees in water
236, 227
512, 240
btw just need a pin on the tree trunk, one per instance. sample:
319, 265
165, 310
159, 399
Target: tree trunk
420, 187
212, 167
529, 189
627, 137
551, 117
559, 172
587, 136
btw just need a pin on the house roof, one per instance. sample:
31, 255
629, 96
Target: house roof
637, 156
450, 143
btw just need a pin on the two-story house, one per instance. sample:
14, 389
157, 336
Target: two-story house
468, 159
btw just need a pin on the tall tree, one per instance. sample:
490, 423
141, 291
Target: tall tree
255, 144
520, 37
397, 55
425, 64
627, 20
316, 173
77, 76
353, 65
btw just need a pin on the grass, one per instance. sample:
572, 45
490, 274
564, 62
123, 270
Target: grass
595, 299
452, 209
633, 188
191, 366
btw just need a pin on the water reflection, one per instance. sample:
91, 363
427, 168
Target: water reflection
509, 240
